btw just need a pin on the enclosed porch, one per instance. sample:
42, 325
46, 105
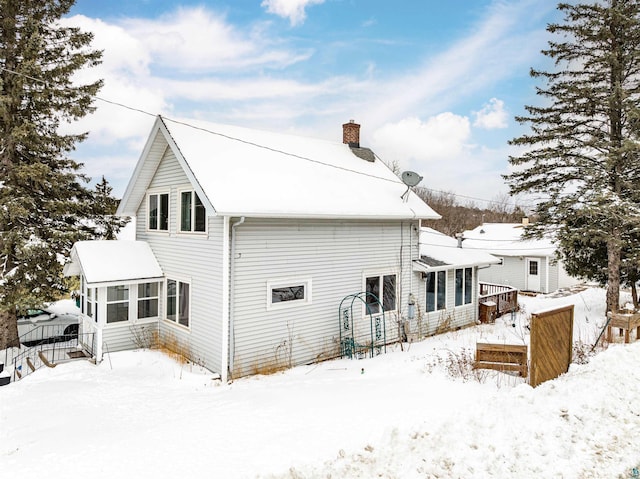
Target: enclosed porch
121, 284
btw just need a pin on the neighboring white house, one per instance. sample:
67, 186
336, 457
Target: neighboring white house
449, 294
258, 237
529, 265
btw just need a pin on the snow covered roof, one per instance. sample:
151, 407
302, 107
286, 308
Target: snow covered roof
113, 261
244, 172
439, 251
504, 239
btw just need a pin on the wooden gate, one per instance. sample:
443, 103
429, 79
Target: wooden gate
551, 344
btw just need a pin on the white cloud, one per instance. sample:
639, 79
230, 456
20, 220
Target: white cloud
443, 136
197, 39
492, 116
294, 10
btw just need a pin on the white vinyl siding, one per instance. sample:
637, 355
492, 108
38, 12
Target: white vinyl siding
513, 272
448, 316
336, 255
196, 257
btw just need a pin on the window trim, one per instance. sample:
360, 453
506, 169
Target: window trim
176, 322
120, 301
380, 275
194, 195
158, 193
139, 298
436, 291
463, 289
284, 283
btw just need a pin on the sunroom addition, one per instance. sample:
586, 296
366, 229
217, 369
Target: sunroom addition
121, 285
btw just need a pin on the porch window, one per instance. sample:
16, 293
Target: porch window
147, 300
436, 291
192, 212
178, 302
464, 286
159, 212
117, 303
92, 304
383, 289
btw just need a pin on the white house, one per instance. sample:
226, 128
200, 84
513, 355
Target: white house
449, 296
246, 243
528, 265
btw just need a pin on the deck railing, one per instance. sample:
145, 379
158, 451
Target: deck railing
505, 297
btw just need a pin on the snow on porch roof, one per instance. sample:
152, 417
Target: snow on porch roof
113, 261
439, 251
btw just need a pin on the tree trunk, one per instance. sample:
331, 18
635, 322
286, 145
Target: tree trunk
613, 281
634, 294
8, 329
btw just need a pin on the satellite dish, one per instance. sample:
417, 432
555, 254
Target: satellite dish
411, 178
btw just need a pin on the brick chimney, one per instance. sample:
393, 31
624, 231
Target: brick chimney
351, 134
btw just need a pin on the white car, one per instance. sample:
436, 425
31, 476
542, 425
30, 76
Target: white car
42, 326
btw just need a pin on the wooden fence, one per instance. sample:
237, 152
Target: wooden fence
551, 344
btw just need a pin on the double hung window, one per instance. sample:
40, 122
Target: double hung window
192, 212
178, 302
436, 291
117, 303
159, 212
381, 290
147, 300
464, 286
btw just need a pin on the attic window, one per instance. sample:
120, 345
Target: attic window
192, 213
159, 212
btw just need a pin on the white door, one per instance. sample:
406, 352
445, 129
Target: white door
533, 274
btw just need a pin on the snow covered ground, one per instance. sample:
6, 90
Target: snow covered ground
417, 413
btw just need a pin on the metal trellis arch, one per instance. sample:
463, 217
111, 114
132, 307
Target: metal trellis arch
359, 346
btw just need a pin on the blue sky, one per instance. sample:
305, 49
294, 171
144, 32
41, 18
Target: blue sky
434, 84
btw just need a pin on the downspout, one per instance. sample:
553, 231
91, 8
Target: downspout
232, 292
224, 353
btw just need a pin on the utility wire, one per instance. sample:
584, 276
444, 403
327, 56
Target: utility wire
139, 110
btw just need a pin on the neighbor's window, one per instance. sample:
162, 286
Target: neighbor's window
117, 303
288, 292
436, 291
533, 268
464, 286
159, 212
192, 212
147, 300
381, 289
178, 302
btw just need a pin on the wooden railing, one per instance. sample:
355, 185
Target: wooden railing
505, 297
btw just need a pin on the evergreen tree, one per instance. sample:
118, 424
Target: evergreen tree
107, 225
44, 203
582, 154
